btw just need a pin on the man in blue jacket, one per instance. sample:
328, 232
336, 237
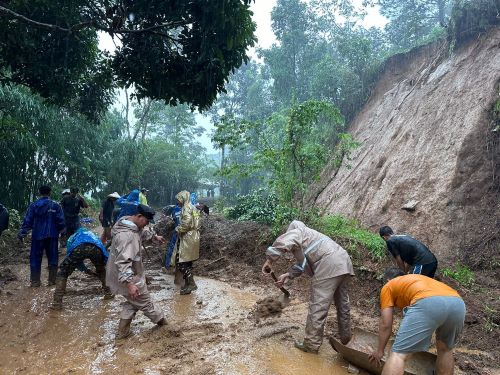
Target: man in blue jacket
46, 219
82, 245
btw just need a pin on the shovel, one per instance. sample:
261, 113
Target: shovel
285, 298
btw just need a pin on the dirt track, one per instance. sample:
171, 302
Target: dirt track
212, 331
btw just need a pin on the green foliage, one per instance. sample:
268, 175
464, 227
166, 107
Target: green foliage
412, 21
176, 51
159, 151
66, 68
470, 18
15, 220
496, 116
257, 206
460, 273
309, 129
44, 144
351, 235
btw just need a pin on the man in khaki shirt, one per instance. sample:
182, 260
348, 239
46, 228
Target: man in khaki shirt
125, 271
330, 267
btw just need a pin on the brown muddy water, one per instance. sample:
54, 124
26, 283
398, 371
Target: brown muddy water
211, 331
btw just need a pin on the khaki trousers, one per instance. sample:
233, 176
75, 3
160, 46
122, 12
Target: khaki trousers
144, 303
323, 293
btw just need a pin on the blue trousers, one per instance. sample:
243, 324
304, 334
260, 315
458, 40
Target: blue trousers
170, 250
49, 245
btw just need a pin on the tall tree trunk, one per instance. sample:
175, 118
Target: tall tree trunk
441, 11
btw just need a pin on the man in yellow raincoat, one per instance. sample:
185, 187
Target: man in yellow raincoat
187, 247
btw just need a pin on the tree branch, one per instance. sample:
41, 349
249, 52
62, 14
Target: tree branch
26, 19
94, 24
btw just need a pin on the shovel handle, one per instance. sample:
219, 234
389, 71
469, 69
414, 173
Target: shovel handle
285, 292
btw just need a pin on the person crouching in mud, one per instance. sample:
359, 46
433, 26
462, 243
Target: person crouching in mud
330, 267
83, 244
188, 241
125, 270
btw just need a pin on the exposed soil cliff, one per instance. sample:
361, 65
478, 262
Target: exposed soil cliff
427, 136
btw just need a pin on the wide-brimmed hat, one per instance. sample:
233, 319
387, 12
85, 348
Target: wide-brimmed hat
65, 191
114, 195
144, 190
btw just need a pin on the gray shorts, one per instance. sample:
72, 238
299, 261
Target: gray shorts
445, 315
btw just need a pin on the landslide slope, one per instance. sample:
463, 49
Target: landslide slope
426, 135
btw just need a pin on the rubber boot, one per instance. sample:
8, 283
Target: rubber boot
186, 288
59, 293
162, 322
189, 285
52, 276
305, 348
192, 284
35, 280
178, 277
107, 293
123, 329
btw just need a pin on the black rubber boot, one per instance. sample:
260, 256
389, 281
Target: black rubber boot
59, 293
52, 276
178, 277
192, 284
123, 329
189, 285
162, 322
35, 280
107, 292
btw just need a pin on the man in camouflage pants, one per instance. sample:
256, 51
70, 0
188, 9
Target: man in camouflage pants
82, 245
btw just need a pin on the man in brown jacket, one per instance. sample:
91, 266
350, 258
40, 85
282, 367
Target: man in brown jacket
330, 267
125, 271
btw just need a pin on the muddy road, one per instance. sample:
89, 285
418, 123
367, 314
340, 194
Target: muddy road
211, 331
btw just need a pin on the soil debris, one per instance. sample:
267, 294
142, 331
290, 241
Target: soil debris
267, 307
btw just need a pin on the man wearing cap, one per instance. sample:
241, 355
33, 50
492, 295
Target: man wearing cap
71, 205
46, 220
142, 196
106, 216
125, 270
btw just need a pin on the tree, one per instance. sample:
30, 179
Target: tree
411, 21
44, 144
293, 27
177, 51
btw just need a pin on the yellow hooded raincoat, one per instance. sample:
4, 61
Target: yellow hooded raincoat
188, 239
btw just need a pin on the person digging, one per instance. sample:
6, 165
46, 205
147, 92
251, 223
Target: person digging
125, 270
429, 306
330, 267
82, 245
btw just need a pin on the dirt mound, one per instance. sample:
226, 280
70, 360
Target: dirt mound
6, 275
221, 238
267, 307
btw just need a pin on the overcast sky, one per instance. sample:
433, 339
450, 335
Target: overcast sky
262, 16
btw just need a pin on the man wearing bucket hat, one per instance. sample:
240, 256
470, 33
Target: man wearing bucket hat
106, 216
125, 270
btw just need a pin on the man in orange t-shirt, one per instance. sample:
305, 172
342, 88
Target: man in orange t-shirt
428, 305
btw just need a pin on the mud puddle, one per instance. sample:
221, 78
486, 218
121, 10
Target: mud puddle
209, 332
